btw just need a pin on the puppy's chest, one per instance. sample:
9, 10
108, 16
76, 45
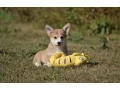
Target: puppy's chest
55, 50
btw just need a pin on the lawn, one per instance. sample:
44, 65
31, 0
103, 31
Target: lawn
18, 47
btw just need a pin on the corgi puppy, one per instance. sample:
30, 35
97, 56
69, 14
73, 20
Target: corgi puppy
58, 41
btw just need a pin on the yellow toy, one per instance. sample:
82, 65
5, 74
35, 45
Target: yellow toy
60, 60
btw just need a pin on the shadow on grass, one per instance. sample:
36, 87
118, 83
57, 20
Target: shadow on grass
91, 64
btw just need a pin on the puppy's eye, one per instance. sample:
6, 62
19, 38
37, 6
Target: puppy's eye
61, 37
55, 37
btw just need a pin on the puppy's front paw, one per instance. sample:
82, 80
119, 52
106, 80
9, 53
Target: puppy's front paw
47, 64
37, 64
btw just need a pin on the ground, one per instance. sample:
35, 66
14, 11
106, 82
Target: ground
18, 46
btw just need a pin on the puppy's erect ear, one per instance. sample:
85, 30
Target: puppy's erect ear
66, 28
48, 29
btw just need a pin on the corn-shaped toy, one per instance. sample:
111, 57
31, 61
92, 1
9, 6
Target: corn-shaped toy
60, 60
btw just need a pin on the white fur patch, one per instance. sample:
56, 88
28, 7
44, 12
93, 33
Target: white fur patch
37, 64
47, 64
54, 41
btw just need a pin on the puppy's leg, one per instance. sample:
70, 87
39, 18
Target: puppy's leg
37, 64
47, 64
37, 61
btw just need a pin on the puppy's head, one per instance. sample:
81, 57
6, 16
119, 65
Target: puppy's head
58, 36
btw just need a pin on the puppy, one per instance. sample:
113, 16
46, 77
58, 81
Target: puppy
58, 41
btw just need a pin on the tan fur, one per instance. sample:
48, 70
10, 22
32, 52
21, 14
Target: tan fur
42, 57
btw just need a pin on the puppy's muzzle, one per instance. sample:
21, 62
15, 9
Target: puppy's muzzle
59, 43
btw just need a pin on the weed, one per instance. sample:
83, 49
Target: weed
5, 17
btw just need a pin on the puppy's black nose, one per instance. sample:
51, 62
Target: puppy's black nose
59, 43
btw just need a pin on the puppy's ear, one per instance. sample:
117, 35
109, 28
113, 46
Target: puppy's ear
48, 29
66, 28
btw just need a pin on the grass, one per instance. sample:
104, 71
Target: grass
19, 45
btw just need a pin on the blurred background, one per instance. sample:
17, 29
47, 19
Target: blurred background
89, 21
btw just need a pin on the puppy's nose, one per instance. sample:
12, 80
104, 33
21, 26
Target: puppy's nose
59, 43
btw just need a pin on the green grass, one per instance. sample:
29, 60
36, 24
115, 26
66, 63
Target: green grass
18, 47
